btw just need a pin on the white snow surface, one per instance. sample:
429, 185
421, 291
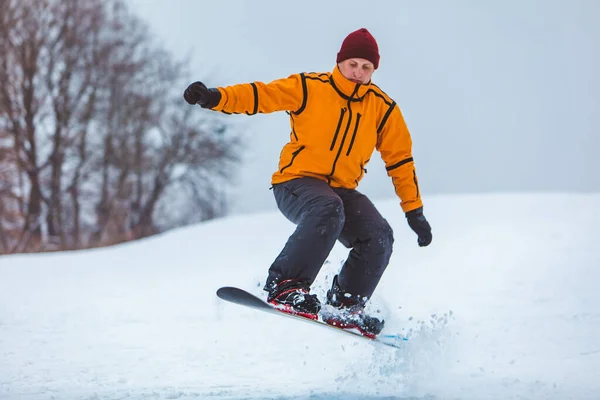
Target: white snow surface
503, 305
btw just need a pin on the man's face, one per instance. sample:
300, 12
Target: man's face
357, 70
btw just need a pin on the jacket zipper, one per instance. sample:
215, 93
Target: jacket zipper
294, 155
358, 115
337, 130
337, 156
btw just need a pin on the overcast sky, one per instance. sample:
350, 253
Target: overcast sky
498, 95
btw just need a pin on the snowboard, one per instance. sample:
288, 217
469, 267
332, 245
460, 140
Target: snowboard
242, 297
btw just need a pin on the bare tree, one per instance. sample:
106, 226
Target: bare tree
135, 91
191, 160
11, 216
22, 100
73, 51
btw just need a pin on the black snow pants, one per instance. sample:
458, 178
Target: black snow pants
323, 215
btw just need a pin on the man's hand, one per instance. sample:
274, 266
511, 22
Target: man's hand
418, 223
198, 93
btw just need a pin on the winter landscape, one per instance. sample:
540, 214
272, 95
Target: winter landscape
98, 146
503, 306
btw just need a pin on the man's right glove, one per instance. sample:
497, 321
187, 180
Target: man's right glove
419, 224
198, 93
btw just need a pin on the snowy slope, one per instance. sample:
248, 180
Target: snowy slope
511, 281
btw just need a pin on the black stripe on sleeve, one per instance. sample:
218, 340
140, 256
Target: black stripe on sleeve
255, 91
399, 164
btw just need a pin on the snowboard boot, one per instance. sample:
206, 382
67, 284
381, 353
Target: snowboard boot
350, 313
293, 297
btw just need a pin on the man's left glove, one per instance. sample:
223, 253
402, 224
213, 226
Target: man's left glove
198, 93
418, 223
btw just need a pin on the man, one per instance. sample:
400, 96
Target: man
337, 120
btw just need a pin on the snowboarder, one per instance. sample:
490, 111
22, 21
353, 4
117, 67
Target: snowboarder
337, 120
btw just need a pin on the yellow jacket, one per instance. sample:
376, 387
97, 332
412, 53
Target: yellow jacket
335, 126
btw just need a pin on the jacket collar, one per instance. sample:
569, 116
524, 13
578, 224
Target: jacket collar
346, 88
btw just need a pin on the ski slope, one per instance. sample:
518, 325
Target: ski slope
503, 305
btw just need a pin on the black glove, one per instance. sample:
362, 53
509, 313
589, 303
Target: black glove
198, 93
419, 224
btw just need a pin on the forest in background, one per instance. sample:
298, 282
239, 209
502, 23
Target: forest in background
97, 145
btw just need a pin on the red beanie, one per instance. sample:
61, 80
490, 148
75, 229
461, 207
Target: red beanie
359, 44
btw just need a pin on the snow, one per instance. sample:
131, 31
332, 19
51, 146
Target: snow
502, 305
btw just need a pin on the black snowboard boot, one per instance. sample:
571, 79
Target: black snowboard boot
294, 297
350, 312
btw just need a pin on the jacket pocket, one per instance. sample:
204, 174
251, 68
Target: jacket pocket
294, 155
358, 115
363, 171
337, 129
